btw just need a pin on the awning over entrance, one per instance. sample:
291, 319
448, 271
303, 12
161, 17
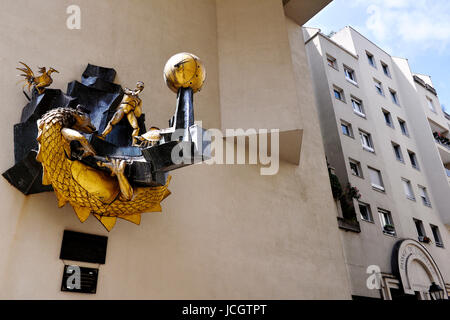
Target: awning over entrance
415, 267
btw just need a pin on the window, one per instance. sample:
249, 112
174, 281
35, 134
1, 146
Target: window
413, 160
355, 167
346, 129
387, 222
350, 75
431, 104
397, 152
366, 213
375, 179
379, 87
339, 94
437, 236
408, 189
366, 141
403, 127
424, 195
371, 59
358, 107
394, 96
420, 229
331, 62
386, 69
388, 118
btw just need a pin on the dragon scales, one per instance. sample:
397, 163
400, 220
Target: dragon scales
89, 190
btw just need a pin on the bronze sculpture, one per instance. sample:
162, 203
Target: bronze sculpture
89, 190
39, 82
131, 106
114, 178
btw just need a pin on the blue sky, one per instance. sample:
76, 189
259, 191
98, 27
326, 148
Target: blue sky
418, 30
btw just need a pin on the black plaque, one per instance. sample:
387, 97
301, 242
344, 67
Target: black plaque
84, 247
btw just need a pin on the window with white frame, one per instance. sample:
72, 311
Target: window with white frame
386, 69
420, 229
388, 118
350, 75
437, 236
346, 128
413, 160
394, 96
431, 104
424, 195
338, 93
366, 140
403, 127
371, 59
376, 179
408, 189
398, 152
358, 108
366, 213
378, 87
355, 167
332, 62
387, 222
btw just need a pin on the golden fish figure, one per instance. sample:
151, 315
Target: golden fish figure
39, 82
89, 190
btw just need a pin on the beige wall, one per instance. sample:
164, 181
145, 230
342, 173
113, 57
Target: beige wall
225, 232
253, 43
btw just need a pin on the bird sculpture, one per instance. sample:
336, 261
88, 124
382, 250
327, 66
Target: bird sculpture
39, 82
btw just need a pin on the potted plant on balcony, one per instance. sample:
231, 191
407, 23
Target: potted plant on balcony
348, 220
426, 239
336, 187
441, 138
353, 192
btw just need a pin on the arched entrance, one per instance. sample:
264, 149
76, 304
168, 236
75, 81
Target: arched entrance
416, 268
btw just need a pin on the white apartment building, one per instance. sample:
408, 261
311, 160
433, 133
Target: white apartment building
384, 133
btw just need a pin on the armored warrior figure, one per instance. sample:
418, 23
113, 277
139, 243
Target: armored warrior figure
131, 106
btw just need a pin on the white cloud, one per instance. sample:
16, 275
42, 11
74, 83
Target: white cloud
424, 24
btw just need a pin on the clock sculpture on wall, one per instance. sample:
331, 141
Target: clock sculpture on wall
121, 172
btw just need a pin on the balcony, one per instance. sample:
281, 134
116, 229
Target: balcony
425, 85
442, 140
349, 225
443, 144
302, 10
447, 116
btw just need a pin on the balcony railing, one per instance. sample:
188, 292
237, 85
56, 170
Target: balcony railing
442, 140
447, 116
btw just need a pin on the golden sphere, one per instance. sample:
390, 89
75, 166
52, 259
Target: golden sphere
184, 70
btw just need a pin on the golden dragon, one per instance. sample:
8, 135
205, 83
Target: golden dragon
39, 82
89, 190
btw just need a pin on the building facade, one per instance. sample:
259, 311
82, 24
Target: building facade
226, 232
384, 133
